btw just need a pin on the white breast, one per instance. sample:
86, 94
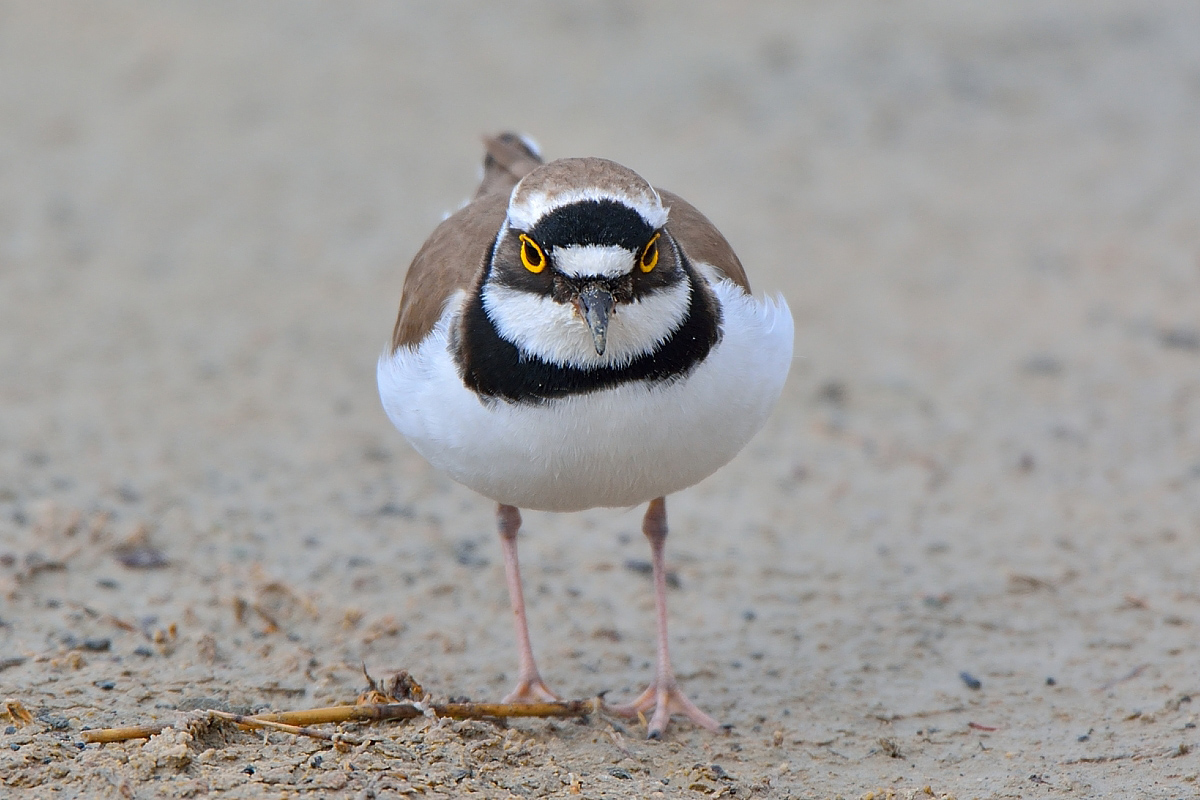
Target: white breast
616, 447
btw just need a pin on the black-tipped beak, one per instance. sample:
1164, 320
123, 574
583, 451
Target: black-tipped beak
595, 304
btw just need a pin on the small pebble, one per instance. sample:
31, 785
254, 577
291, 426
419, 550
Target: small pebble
396, 510
1051, 682
11, 729
466, 553
249, 770
143, 651
141, 556
936, 600
643, 567
316, 761
106, 685
639, 565
970, 680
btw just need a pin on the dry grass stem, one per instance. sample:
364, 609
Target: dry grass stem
299, 722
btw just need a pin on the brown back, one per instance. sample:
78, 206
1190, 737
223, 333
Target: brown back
454, 253
701, 240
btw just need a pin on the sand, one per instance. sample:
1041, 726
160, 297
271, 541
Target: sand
985, 218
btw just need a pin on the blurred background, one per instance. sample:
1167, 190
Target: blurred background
938, 193
985, 218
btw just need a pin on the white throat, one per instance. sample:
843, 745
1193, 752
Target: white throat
554, 332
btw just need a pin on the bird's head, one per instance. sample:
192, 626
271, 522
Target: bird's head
584, 271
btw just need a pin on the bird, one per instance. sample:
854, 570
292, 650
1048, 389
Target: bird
575, 338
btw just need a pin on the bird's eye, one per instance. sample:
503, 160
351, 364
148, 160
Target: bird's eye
649, 254
531, 255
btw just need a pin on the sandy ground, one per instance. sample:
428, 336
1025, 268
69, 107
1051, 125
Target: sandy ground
985, 217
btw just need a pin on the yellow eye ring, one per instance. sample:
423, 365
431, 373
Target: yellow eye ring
531, 255
649, 257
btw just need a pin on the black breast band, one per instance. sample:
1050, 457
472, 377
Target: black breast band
494, 367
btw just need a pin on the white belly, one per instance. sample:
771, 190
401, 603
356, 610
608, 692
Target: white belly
616, 447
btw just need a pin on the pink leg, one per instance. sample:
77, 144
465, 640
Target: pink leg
663, 695
530, 688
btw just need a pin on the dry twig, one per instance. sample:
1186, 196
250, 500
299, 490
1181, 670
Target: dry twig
298, 722
296, 730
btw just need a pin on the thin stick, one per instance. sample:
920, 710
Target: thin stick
124, 734
368, 712
297, 722
251, 722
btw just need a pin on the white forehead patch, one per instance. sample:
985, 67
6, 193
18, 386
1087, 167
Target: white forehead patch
587, 260
523, 215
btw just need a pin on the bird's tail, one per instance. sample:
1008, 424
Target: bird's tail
509, 157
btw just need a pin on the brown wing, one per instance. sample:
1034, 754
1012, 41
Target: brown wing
508, 160
452, 256
701, 240
449, 260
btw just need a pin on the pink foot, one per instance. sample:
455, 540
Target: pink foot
531, 690
665, 701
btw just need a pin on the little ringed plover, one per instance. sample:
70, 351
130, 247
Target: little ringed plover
573, 338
